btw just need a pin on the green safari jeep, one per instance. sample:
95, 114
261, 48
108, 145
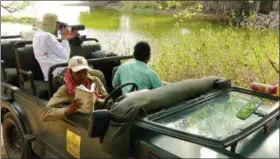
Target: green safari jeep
196, 118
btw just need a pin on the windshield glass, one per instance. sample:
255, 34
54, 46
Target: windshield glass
216, 118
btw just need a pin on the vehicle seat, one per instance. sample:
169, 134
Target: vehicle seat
26, 62
58, 80
11, 76
84, 49
105, 67
9, 59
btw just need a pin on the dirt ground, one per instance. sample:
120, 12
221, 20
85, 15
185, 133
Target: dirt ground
3, 152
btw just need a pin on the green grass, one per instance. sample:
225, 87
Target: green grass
23, 20
236, 54
211, 48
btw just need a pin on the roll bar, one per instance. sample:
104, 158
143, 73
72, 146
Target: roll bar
10, 36
21, 44
87, 39
90, 61
52, 68
18, 36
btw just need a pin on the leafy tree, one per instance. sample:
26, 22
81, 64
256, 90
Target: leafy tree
14, 6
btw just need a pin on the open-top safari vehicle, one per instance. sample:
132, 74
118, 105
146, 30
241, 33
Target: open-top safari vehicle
197, 118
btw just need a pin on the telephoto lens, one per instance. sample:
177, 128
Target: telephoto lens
77, 27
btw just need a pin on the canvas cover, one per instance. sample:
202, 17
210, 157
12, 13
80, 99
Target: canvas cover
117, 139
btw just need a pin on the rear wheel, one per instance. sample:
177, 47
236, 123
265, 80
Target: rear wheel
13, 137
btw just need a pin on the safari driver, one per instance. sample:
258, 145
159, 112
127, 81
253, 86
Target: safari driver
77, 74
137, 70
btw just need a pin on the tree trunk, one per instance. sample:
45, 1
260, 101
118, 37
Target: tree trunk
220, 7
266, 7
224, 7
275, 6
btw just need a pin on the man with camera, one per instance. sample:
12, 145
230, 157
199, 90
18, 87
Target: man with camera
49, 51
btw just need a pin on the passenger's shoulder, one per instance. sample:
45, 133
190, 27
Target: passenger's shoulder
128, 63
41, 33
94, 79
152, 72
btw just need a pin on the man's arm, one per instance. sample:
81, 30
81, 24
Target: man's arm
98, 74
62, 50
100, 87
53, 110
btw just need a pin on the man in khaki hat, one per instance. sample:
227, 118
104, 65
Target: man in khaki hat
78, 73
47, 49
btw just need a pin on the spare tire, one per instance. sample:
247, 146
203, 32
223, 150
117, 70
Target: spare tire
13, 137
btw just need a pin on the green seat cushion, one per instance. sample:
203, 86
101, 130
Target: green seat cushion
11, 74
85, 49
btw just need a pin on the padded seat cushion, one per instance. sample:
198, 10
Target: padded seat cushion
11, 74
8, 54
42, 88
85, 49
105, 67
27, 61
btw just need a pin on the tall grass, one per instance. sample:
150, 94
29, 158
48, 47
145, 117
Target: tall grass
232, 53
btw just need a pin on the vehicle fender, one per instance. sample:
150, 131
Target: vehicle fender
17, 112
8, 106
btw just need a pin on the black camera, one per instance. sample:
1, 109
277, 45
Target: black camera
73, 27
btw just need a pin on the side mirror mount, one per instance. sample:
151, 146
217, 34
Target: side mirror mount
222, 84
99, 123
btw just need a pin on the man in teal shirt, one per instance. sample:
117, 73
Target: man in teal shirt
137, 70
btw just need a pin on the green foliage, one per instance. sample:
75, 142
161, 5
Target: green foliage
184, 9
142, 5
239, 54
167, 5
138, 5
12, 19
244, 20
15, 6
226, 52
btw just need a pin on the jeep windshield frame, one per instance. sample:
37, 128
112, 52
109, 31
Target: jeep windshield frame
150, 121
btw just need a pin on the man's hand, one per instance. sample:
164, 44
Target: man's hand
72, 34
76, 103
65, 32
